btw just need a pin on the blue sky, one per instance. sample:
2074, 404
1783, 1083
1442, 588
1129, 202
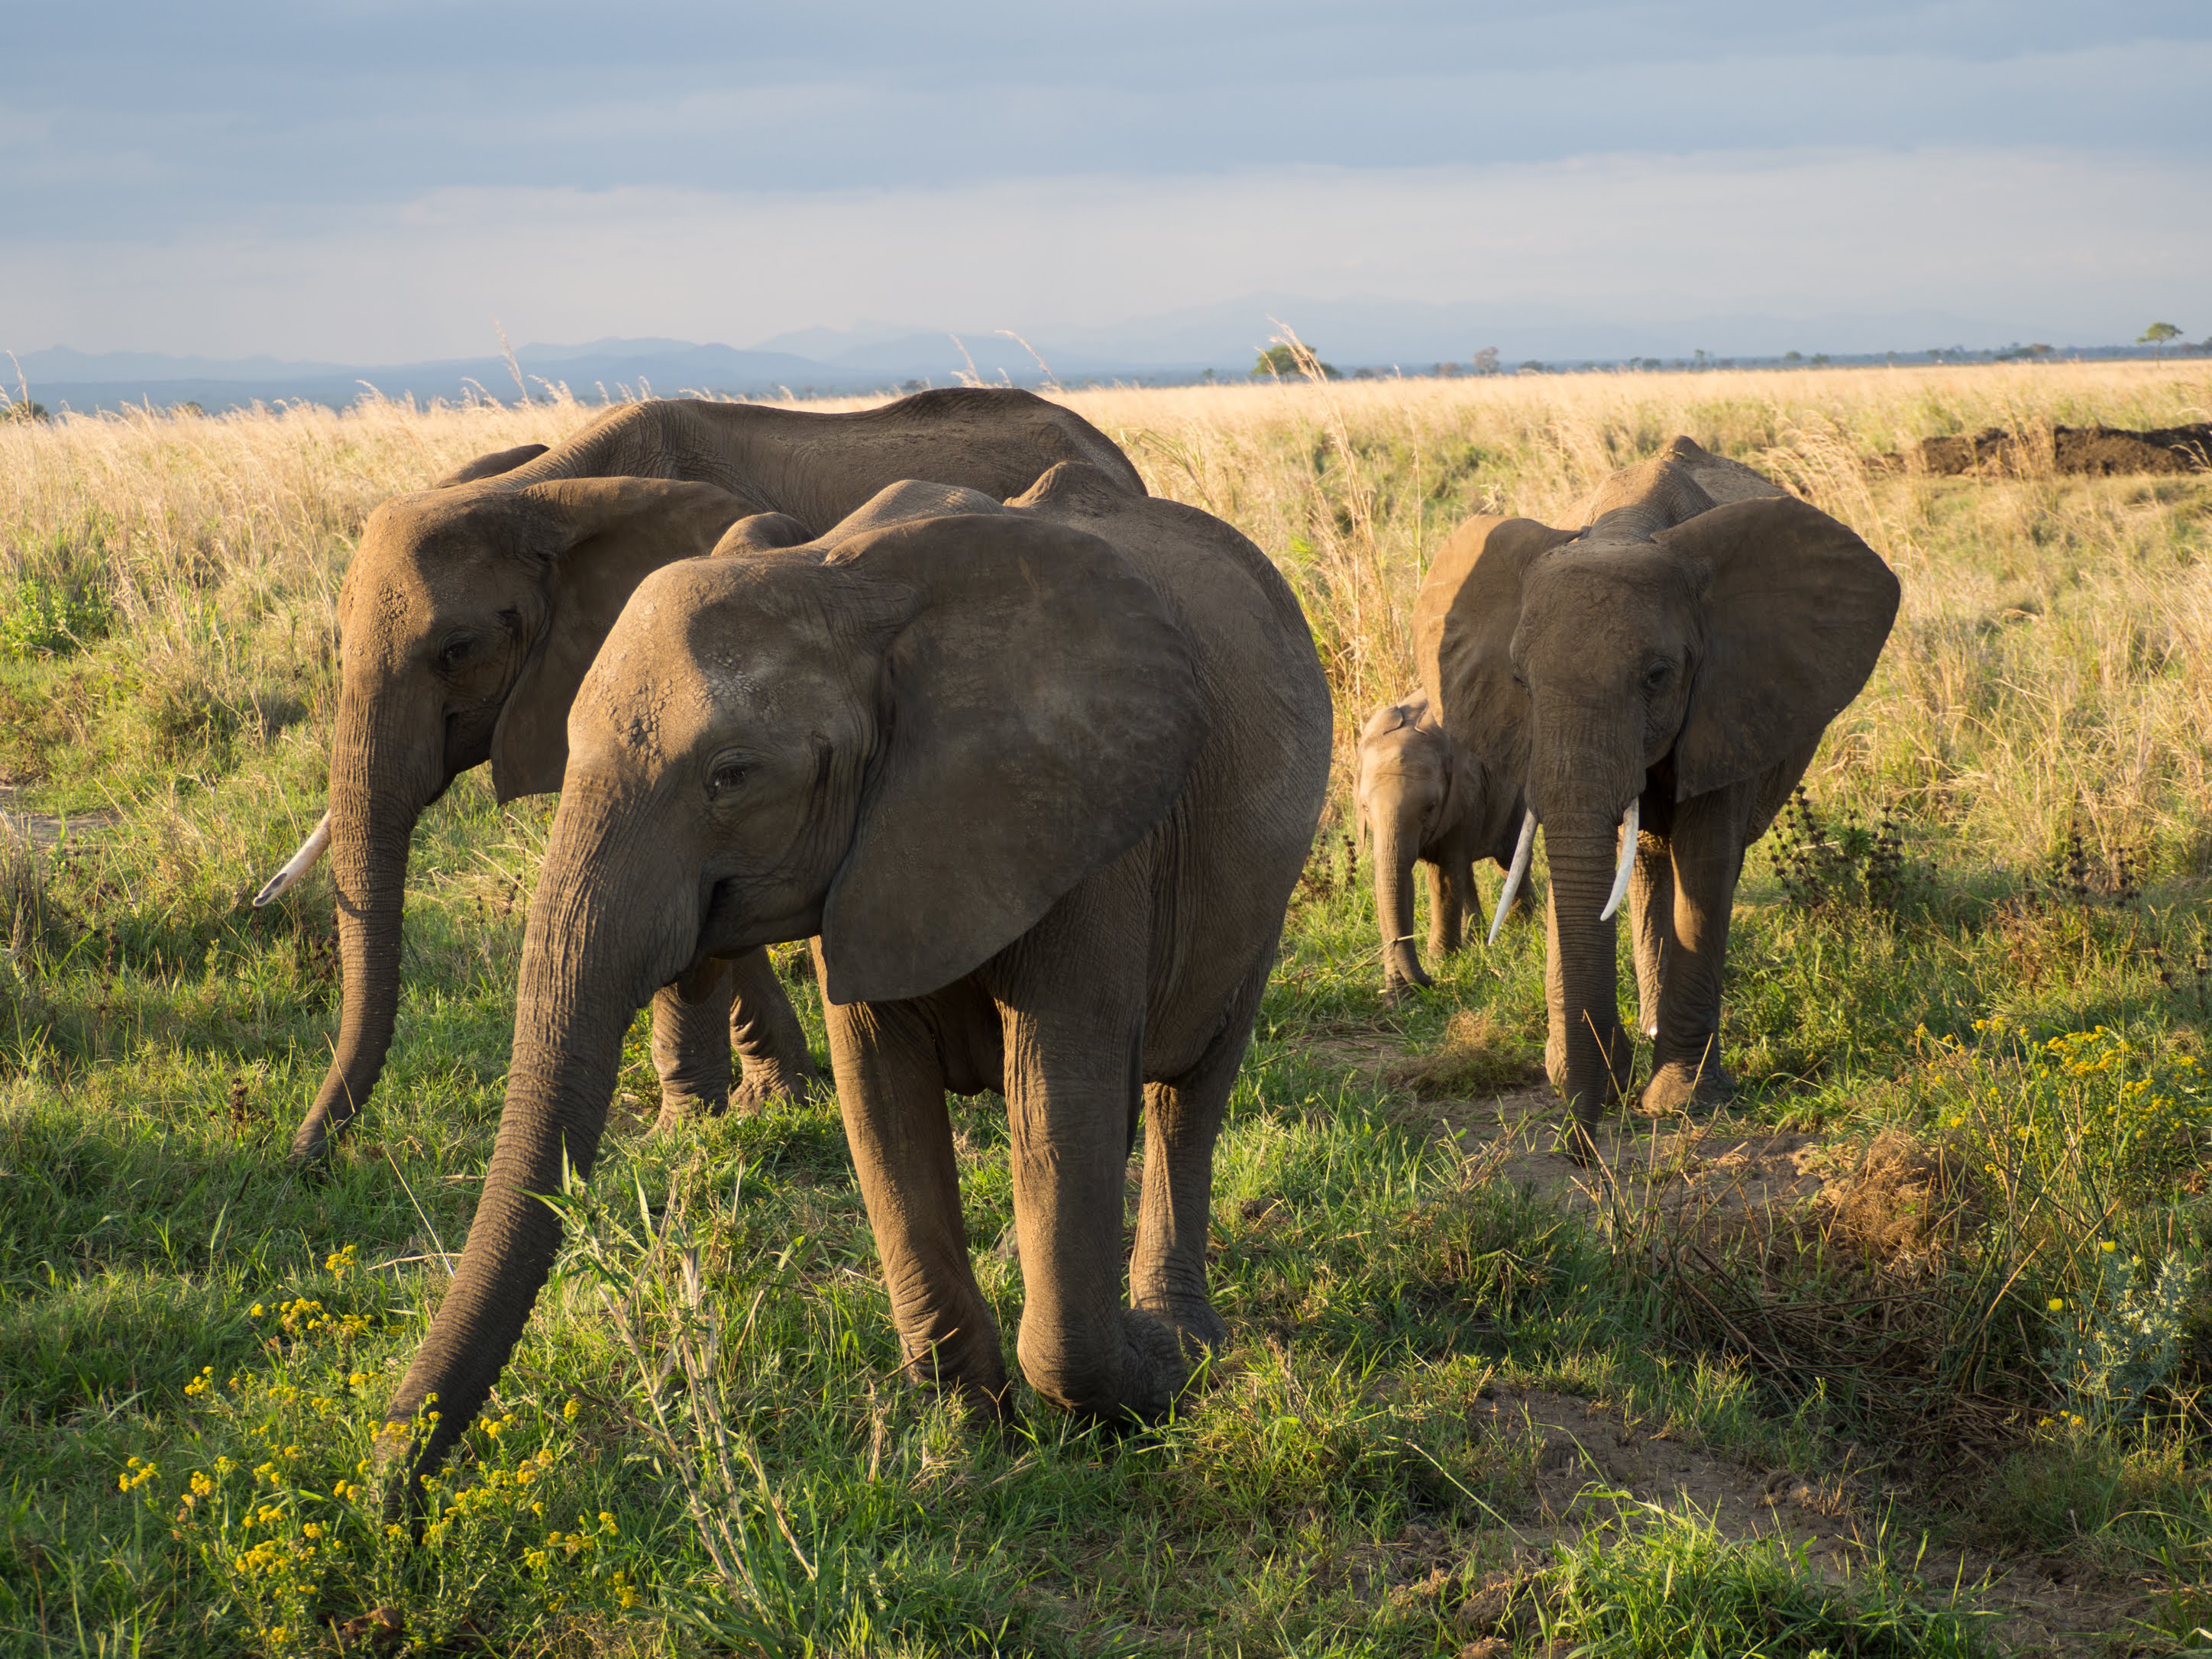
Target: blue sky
377, 181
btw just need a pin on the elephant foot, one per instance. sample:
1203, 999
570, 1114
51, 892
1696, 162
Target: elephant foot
680, 1106
1143, 1386
1199, 1332
970, 1369
771, 1080
1689, 1087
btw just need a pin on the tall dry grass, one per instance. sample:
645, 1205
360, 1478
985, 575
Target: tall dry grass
2049, 664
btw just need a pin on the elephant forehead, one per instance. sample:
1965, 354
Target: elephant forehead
418, 551
675, 670
1608, 588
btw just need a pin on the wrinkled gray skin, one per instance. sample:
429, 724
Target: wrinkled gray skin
1685, 652
1423, 799
1038, 780
472, 610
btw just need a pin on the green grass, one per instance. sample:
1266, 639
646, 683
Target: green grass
1329, 1490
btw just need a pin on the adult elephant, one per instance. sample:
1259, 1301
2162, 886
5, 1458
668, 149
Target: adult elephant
473, 608
1422, 798
1657, 681
1039, 779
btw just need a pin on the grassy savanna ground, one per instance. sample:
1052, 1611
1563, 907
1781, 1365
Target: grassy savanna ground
1980, 1353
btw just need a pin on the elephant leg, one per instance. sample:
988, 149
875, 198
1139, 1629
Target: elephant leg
1470, 896
891, 1090
1619, 1054
691, 1051
764, 1030
1167, 1271
1447, 900
1707, 846
1651, 920
1072, 999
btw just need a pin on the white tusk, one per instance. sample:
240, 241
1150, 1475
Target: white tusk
297, 865
1628, 826
1513, 876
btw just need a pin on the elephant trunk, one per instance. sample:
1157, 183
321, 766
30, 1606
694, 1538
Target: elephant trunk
1589, 1048
1397, 838
591, 956
376, 795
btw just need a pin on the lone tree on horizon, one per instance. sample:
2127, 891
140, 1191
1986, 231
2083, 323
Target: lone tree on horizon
2157, 334
1288, 359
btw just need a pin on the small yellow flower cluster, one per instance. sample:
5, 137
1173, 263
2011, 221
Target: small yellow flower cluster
202, 1382
582, 1541
136, 1473
487, 1494
2097, 1098
341, 1263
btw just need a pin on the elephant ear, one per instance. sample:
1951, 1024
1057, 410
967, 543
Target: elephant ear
1796, 611
1463, 622
1040, 712
606, 535
491, 466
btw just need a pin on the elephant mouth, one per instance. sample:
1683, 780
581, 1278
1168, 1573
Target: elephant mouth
1630, 827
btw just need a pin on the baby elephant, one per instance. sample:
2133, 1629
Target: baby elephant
1421, 796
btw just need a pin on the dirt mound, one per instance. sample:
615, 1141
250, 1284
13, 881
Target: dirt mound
2097, 450
1898, 1203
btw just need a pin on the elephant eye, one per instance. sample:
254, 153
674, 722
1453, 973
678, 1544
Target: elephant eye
455, 651
1656, 676
726, 776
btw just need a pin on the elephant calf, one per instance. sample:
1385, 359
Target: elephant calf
1038, 780
1656, 683
1424, 799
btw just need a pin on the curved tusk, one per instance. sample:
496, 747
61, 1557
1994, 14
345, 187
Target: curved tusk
297, 865
1628, 828
1513, 876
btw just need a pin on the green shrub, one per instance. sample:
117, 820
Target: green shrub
43, 617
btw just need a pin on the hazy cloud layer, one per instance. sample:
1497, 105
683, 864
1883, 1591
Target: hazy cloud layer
377, 180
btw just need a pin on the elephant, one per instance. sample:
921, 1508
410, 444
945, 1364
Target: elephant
473, 608
1666, 671
1037, 779
1420, 797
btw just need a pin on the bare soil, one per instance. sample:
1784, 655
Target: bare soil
43, 828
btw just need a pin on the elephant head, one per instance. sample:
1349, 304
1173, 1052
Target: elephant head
1419, 795
467, 622
1679, 645
908, 739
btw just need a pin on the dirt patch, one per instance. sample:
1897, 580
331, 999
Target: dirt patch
2096, 451
45, 829
1480, 1053
1899, 1202
1701, 1170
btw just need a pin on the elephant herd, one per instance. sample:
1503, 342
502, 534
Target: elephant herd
1033, 759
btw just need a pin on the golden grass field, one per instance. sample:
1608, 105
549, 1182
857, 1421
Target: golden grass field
1979, 1350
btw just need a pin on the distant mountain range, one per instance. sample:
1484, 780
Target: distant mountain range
1375, 334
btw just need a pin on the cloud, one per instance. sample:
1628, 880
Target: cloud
2084, 246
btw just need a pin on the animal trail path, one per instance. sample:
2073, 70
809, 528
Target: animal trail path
1596, 1461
